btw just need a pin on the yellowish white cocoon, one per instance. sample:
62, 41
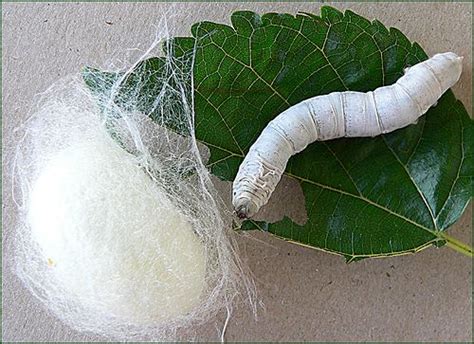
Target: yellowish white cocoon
339, 114
110, 235
120, 230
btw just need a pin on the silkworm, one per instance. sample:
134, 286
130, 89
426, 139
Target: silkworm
335, 115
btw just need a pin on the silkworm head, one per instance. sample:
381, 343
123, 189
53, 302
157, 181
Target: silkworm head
244, 207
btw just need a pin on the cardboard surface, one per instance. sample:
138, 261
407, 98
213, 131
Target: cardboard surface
308, 295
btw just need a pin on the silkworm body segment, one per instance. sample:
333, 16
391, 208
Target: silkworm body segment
335, 115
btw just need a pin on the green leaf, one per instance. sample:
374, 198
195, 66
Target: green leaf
365, 197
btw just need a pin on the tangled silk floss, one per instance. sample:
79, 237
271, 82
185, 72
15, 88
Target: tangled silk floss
120, 231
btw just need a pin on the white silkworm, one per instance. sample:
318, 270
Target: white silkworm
339, 114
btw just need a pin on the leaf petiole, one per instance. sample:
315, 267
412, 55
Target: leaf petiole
457, 245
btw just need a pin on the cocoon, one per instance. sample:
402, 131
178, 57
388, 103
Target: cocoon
112, 237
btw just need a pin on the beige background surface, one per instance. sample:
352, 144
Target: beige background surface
308, 295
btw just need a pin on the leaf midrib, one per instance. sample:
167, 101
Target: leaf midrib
362, 198
432, 217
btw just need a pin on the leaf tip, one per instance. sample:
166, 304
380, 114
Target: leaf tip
331, 14
245, 22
